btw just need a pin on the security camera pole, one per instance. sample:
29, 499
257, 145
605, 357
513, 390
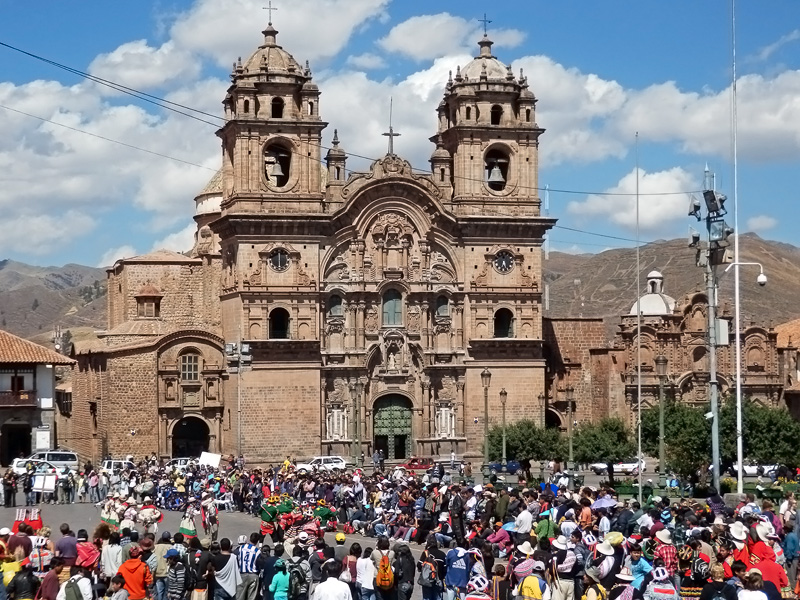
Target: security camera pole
714, 254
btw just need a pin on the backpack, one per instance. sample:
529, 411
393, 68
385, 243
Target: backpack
72, 591
190, 581
298, 584
384, 578
428, 574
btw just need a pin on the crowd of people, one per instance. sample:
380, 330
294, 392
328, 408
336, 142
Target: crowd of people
476, 542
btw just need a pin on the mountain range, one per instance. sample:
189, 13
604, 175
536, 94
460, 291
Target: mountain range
34, 300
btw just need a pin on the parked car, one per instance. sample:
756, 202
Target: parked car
20, 466
753, 470
59, 458
109, 466
630, 467
512, 466
179, 464
598, 468
417, 463
322, 463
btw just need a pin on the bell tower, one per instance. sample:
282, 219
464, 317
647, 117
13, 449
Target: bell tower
272, 138
487, 123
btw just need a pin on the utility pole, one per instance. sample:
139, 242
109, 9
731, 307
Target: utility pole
715, 253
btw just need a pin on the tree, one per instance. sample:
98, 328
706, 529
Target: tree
687, 437
607, 440
525, 440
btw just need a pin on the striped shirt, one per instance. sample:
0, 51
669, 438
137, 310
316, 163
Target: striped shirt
246, 557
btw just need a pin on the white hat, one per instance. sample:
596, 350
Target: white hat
538, 565
525, 548
625, 574
5, 531
764, 530
664, 536
605, 548
560, 542
738, 531
147, 499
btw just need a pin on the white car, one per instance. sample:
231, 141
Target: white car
109, 467
754, 470
39, 467
630, 467
598, 468
322, 463
179, 464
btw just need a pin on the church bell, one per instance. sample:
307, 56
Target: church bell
277, 171
495, 175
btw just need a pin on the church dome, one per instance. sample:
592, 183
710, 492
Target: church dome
485, 64
271, 57
655, 301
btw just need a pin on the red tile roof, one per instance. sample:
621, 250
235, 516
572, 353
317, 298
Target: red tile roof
14, 349
788, 332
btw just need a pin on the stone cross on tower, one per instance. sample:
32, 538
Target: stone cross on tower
270, 8
485, 22
391, 134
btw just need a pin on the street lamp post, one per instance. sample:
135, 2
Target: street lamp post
503, 398
661, 371
486, 380
544, 408
570, 394
359, 390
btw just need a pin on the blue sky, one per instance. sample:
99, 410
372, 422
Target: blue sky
601, 72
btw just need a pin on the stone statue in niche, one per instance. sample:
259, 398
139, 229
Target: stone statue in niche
413, 318
392, 361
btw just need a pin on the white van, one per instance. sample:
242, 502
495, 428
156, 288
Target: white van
58, 458
110, 466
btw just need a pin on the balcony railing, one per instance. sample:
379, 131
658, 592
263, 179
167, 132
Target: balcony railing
14, 399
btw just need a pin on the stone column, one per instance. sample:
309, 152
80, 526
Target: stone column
360, 325
426, 409
459, 408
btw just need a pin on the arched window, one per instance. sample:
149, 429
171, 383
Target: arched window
442, 306
528, 115
503, 323
335, 307
392, 308
310, 108
190, 367
279, 324
496, 169
247, 106
497, 114
469, 112
277, 108
277, 164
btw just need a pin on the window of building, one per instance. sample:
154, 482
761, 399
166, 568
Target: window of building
335, 306
148, 307
279, 324
277, 164
528, 115
392, 308
468, 113
442, 306
247, 106
496, 169
310, 108
497, 114
503, 323
441, 175
277, 108
190, 367
17, 383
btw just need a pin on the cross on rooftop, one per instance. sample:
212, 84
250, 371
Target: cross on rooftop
391, 134
485, 22
270, 8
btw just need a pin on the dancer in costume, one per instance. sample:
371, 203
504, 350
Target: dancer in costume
150, 516
270, 523
324, 514
187, 527
210, 516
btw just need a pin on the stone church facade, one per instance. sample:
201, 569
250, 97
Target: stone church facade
368, 304
324, 311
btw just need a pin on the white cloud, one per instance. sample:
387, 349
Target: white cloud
112, 255
761, 223
27, 232
659, 203
431, 36
770, 49
366, 61
178, 241
138, 65
309, 29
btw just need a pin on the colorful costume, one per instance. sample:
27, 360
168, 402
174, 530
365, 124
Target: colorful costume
187, 527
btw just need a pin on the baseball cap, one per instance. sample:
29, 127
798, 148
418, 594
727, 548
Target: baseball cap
340, 537
172, 552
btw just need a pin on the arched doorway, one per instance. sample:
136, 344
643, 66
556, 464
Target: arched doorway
392, 426
552, 420
189, 437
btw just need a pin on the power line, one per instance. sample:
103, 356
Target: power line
113, 141
170, 105
602, 235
